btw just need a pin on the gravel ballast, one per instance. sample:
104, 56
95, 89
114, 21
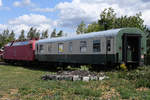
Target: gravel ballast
78, 75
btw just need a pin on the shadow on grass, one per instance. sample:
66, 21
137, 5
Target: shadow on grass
54, 68
39, 67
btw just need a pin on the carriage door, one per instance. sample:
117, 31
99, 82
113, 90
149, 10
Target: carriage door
131, 48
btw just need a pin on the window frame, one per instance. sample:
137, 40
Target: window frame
70, 46
41, 48
97, 46
108, 45
59, 50
49, 48
37, 48
83, 46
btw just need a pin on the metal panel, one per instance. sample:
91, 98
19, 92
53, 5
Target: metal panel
78, 58
107, 33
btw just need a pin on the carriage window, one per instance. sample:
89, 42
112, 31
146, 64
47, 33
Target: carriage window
83, 46
108, 45
37, 48
70, 46
60, 47
49, 48
96, 46
41, 48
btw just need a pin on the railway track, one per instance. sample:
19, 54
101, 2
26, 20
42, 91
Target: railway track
3, 63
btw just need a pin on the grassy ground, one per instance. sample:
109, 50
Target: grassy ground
22, 83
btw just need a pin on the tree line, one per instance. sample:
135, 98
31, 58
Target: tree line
9, 36
108, 20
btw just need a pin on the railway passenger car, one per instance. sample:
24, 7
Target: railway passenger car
19, 51
116, 46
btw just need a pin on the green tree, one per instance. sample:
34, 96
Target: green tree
4, 37
148, 41
53, 34
81, 29
37, 34
32, 33
60, 33
22, 36
11, 36
107, 19
1, 40
131, 21
94, 27
45, 34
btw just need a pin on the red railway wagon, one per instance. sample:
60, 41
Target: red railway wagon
19, 51
1, 54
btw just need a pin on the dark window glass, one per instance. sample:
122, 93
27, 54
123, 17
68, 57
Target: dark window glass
49, 48
70, 46
83, 46
108, 45
96, 46
41, 48
37, 48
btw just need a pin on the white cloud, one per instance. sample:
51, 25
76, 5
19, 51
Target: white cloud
23, 3
145, 16
27, 21
43, 9
3, 7
17, 3
31, 19
3, 26
72, 13
1, 3
17, 28
43, 27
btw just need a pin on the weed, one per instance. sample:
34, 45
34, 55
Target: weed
30, 87
126, 93
87, 92
123, 67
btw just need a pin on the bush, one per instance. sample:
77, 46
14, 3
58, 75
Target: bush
126, 93
123, 67
87, 92
143, 80
140, 77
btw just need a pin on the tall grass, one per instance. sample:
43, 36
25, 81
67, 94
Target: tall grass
18, 82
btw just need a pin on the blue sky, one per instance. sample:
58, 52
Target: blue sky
63, 14
9, 11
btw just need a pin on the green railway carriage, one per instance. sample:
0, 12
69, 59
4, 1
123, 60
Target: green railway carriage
116, 46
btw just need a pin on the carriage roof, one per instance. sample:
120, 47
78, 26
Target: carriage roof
19, 43
107, 33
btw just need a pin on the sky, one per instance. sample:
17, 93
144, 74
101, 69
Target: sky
63, 14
